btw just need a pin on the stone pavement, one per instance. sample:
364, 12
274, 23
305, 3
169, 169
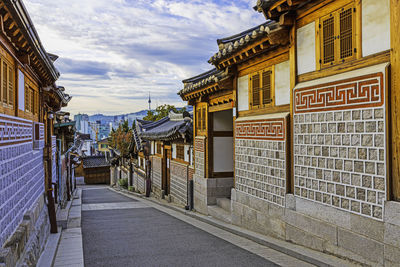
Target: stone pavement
70, 248
143, 233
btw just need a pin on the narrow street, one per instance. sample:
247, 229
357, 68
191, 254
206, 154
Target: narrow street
120, 231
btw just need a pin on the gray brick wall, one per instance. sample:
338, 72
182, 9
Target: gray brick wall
339, 159
260, 169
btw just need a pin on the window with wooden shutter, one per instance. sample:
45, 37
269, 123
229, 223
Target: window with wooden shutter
266, 87
337, 36
32, 99
5, 82
10, 86
27, 98
255, 92
346, 32
180, 151
261, 84
328, 39
203, 118
159, 149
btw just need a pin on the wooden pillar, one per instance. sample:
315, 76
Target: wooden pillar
395, 97
290, 135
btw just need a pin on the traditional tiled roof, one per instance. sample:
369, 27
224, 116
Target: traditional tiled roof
202, 80
95, 162
229, 45
173, 127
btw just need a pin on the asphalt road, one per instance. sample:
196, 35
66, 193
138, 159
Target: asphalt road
148, 237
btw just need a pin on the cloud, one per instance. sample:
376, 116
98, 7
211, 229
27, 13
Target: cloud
114, 52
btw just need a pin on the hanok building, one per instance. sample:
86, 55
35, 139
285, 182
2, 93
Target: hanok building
29, 99
311, 117
170, 152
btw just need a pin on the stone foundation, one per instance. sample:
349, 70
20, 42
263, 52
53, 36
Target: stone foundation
26, 244
207, 190
322, 228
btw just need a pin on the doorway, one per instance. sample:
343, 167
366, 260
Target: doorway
167, 174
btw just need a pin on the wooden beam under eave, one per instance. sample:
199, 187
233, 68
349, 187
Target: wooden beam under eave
6, 17
287, 19
282, 8
294, 2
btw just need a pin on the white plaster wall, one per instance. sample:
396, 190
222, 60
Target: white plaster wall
282, 83
21, 90
152, 148
223, 154
243, 93
174, 151
306, 61
223, 120
375, 26
186, 149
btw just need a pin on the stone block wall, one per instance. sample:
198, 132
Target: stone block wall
179, 182
261, 158
199, 156
156, 175
21, 173
339, 144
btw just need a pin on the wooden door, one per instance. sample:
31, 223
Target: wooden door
168, 158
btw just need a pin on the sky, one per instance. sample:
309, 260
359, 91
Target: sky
113, 53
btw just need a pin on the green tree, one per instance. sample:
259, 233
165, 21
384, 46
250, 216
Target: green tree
161, 112
122, 138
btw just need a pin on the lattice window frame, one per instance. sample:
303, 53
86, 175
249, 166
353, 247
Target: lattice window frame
180, 152
259, 91
201, 119
339, 55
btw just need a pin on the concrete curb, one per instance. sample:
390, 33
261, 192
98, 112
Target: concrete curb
296, 251
50, 250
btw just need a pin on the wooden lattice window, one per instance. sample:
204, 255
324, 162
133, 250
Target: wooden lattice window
328, 40
203, 118
5, 82
37, 103
27, 95
180, 151
255, 82
10, 86
337, 31
266, 86
32, 99
262, 88
159, 149
346, 32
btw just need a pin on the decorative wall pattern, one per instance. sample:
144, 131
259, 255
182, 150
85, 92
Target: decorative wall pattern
271, 129
199, 160
360, 92
260, 164
340, 155
179, 180
38, 138
21, 184
14, 130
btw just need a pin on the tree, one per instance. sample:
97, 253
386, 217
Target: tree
161, 112
122, 138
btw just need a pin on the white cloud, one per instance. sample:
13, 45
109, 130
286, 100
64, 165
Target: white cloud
114, 52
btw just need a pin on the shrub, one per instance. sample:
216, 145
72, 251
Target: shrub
123, 182
131, 188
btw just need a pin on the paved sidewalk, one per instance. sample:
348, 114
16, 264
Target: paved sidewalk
70, 249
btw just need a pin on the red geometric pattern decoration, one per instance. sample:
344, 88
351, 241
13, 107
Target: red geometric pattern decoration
360, 92
268, 129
